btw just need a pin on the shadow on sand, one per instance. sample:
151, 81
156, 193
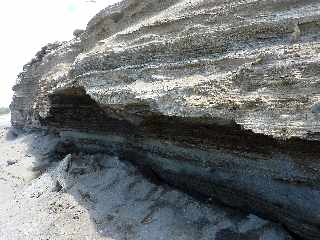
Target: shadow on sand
97, 196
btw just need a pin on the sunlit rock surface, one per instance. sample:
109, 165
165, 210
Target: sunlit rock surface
215, 97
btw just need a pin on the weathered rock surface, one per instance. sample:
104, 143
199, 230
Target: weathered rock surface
215, 97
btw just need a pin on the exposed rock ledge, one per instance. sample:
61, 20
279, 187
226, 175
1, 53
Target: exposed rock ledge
216, 97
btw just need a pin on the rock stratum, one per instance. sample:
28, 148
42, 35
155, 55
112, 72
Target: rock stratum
218, 98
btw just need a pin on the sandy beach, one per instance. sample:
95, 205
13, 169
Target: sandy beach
5, 120
101, 197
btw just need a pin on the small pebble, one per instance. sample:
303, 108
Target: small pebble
11, 162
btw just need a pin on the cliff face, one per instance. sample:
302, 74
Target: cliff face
215, 97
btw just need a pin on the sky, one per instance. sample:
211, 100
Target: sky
26, 26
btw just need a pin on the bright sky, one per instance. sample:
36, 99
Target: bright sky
26, 26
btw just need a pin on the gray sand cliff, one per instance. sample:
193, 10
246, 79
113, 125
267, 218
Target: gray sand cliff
217, 98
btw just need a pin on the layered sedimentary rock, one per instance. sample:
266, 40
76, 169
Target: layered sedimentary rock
218, 98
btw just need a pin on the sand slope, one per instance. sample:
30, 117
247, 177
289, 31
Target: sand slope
101, 197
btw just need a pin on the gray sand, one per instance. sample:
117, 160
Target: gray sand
100, 197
